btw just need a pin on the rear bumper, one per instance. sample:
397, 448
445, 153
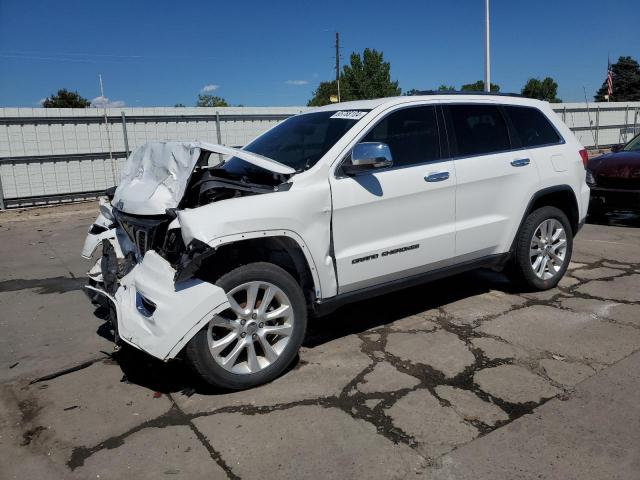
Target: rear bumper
615, 199
154, 314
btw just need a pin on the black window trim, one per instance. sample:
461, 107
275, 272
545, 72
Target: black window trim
510, 129
442, 141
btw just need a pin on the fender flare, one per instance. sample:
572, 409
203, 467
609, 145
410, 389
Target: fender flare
238, 237
536, 196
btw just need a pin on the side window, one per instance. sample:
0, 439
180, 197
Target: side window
411, 133
532, 126
478, 129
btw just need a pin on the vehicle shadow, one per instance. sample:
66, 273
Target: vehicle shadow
616, 218
175, 376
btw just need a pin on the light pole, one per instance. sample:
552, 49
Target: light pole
487, 57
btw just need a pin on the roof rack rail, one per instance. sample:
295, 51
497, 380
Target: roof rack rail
458, 92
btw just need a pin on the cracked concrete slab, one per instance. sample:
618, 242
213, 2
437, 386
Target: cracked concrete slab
52, 326
596, 273
494, 349
514, 384
386, 378
437, 429
592, 435
152, 453
566, 373
469, 310
94, 396
620, 288
440, 350
568, 282
620, 312
324, 371
306, 442
414, 322
577, 335
66, 315
470, 406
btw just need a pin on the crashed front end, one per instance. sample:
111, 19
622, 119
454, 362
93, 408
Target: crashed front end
144, 275
148, 309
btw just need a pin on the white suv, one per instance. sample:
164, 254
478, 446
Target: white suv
219, 254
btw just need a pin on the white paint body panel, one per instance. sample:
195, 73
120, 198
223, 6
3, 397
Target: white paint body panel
491, 198
476, 212
387, 210
181, 309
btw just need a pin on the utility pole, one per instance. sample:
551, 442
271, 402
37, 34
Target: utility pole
487, 57
338, 63
106, 126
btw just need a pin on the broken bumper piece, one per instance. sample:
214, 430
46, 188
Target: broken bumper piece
158, 316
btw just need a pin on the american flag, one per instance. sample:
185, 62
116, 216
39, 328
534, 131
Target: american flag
609, 78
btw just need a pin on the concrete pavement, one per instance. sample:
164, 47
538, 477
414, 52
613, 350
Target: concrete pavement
460, 378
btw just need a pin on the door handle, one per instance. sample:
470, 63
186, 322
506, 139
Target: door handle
437, 177
520, 162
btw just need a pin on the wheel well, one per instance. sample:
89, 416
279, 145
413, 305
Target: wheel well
281, 251
563, 199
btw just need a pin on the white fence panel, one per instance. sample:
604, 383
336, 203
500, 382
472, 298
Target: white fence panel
51, 154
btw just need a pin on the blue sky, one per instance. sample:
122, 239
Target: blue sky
157, 53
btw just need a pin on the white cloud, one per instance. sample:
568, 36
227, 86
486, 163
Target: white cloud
100, 102
209, 88
296, 82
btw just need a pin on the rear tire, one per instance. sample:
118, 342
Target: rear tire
251, 343
543, 249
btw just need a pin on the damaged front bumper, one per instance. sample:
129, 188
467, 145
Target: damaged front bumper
156, 315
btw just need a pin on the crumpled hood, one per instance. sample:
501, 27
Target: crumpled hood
156, 174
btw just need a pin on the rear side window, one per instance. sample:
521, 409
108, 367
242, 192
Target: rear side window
532, 126
411, 133
478, 129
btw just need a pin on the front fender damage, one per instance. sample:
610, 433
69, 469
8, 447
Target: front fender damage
158, 316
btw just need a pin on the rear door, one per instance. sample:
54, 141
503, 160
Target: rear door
495, 176
398, 221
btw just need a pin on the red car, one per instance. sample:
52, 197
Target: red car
614, 179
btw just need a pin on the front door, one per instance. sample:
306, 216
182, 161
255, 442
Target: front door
400, 220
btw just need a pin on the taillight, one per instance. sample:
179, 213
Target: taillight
585, 157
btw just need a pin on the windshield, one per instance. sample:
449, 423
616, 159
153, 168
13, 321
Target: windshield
633, 145
299, 141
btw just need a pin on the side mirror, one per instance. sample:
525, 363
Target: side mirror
617, 148
368, 156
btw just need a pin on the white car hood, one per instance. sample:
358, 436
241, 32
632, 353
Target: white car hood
156, 174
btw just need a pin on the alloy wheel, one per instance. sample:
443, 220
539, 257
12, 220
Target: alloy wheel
548, 249
254, 332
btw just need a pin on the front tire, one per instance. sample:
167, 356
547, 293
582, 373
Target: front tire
255, 340
543, 249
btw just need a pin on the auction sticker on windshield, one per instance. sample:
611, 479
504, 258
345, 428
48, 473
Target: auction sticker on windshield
350, 114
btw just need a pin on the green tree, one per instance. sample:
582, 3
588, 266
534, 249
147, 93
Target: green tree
322, 94
450, 88
479, 87
65, 99
626, 82
205, 100
179, 105
546, 89
366, 76
413, 91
